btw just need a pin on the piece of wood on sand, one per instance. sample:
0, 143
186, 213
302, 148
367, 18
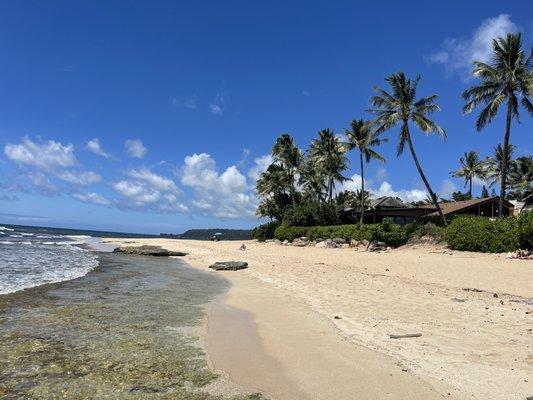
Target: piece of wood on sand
407, 335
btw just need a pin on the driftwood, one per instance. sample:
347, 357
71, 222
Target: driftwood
407, 335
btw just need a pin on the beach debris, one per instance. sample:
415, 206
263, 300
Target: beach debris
495, 295
472, 290
337, 317
147, 250
407, 335
243, 247
457, 300
229, 265
521, 255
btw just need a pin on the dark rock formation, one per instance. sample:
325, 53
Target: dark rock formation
148, 251
229, 265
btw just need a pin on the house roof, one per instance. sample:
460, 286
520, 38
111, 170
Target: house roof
454, 206
388, 202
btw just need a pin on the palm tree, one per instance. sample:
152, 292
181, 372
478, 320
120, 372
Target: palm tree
522, 177
311, 180
494, 166
401, 107
271, 187
329, 155
508, 78
471, 167
289, 156
361, 137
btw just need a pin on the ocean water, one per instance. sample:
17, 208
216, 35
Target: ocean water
33, 256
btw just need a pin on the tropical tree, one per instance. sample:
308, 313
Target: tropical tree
494, 165
271, 187
521, 178
360, 136
484, 192
329, 155
353, 199
471, 167
401, 107
507, 79
312, 181
289, 156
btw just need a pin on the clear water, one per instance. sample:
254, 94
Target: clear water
34, 256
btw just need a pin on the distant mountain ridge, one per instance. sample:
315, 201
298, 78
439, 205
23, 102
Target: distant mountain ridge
205, 234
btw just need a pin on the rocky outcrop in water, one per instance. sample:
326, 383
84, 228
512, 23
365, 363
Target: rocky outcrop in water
145, 250
229, 265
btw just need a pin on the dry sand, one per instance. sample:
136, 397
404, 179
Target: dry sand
276, 330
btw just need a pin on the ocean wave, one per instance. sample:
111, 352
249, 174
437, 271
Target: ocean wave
3, 228
15, 236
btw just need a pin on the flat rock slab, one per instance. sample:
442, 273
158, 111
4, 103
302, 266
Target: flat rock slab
145, 250
229, 265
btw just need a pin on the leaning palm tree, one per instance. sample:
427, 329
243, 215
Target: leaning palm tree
360, 136
289, 156
329, 155
494, 166
507, 79
471, 167
400, 107
271, 188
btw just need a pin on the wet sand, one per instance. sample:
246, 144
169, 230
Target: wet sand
474, 312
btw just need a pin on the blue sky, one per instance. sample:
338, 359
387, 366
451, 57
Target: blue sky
157, 116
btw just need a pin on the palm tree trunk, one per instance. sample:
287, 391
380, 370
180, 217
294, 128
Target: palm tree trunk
470, 191
330, 191
361, 200
424, 179
503, 178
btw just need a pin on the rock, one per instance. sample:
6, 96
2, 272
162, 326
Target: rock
229, 265
286, 243
376, 246
300, 243
345, 245
243, 247
327, 244
304, 239
145, 250
339, 240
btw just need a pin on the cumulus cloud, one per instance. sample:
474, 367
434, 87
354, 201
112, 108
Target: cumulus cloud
446, 189
135, 148
260, 165
154, 180
147, 189
95, 147
92, 197
83, 178
46, 155
385, 189
457, 55
223, 195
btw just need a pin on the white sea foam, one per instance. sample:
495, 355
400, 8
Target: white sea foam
3, 228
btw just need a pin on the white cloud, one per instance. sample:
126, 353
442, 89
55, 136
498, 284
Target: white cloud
353, 184
185, 103
155, 181
217, 105
80, 178
446, 189
225, 195
385, 189
459, 54
94, 198
260, 165
95, 147
46, 155
150, 190
135, 148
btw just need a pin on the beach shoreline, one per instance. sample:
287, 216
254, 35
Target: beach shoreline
473, 311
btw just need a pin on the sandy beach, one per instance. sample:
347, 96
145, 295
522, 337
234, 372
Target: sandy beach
314, 323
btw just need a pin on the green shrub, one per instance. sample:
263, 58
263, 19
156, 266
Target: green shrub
525, 230
391, 234
284, 232
265, 231
310, 214
471, 233
418, 229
